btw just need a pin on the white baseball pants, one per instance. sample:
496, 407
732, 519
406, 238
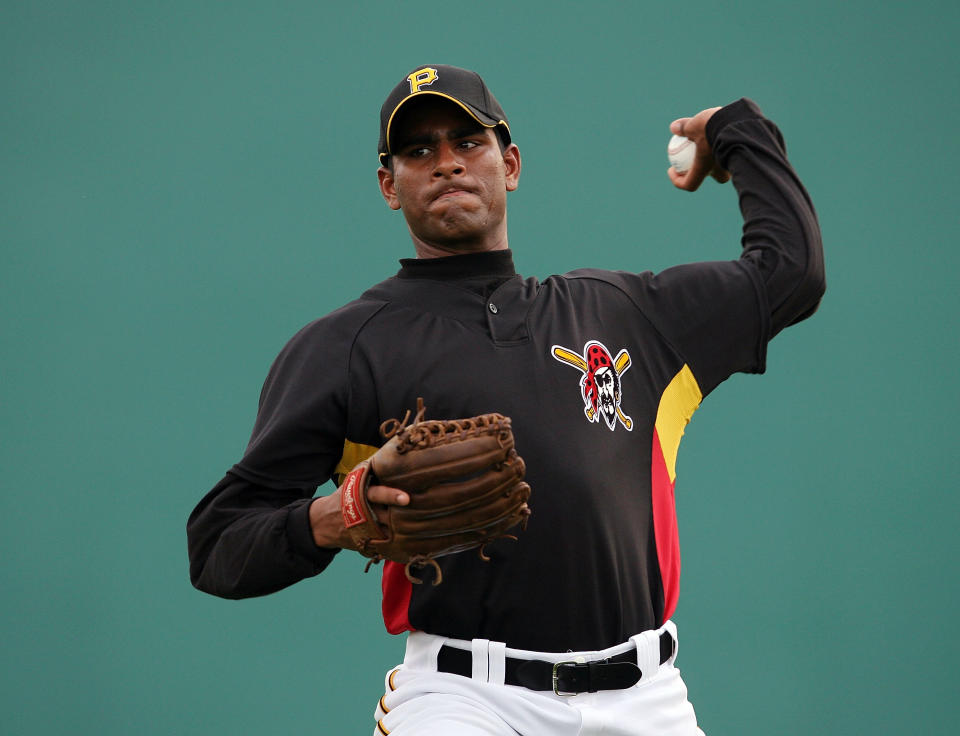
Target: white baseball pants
419, 701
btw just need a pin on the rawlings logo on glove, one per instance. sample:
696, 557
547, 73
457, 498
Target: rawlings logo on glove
466, 488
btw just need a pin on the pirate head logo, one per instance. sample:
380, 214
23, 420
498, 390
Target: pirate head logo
599, 382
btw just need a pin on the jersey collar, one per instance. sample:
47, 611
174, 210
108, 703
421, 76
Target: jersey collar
496, 263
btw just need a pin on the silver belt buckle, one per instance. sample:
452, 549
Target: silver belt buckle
556, 691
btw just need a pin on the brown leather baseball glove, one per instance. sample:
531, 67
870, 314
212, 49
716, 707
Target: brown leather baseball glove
465, 482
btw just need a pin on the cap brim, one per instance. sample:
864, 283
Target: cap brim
484, 120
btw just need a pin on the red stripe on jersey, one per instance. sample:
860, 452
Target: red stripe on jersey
397, 591
665, 529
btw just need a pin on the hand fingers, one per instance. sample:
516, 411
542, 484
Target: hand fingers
387, 496
694, 128
691, 179
678, 125
676, 177
688, 181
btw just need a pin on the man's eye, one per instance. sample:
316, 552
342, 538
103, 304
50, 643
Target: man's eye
419, 152
468, 144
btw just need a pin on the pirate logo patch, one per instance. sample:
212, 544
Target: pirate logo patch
599, 382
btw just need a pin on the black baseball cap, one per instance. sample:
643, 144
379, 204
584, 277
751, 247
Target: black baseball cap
461, 86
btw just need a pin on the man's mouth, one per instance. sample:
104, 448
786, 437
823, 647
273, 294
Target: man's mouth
448, 193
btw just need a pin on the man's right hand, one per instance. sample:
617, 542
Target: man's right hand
704, 163
326, 519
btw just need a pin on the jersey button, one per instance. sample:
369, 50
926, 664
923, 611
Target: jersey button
493, 307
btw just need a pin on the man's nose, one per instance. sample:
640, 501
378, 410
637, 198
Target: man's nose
447, 161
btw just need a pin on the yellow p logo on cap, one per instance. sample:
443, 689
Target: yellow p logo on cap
422, 77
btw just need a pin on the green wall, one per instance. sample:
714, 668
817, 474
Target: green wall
185, 184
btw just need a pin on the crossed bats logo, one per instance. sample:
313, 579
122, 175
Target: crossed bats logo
599, 382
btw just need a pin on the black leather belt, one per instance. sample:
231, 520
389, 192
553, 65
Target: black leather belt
564, 678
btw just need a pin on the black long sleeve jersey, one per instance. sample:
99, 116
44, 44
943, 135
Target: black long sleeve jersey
600, 372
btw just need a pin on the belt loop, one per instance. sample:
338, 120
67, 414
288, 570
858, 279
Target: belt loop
498, 663
422, 650
672, 628
648, 653
481, 663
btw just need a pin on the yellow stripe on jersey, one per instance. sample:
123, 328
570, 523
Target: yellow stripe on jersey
353, 453
680, 400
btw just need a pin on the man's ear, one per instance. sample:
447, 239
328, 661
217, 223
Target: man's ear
511, 163
388, 187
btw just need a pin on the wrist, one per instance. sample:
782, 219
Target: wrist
326, 523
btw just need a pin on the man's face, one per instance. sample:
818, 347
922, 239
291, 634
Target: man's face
450, 178
606, 390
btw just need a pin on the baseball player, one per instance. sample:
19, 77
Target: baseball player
566, 630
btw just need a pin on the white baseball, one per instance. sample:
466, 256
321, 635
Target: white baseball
681, 152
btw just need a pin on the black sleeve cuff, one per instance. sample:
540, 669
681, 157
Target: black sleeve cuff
300, 536
735, 112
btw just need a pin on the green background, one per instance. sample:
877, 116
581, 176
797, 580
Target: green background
185, 184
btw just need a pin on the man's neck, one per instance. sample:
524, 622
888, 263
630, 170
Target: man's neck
481, 272
426, 249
